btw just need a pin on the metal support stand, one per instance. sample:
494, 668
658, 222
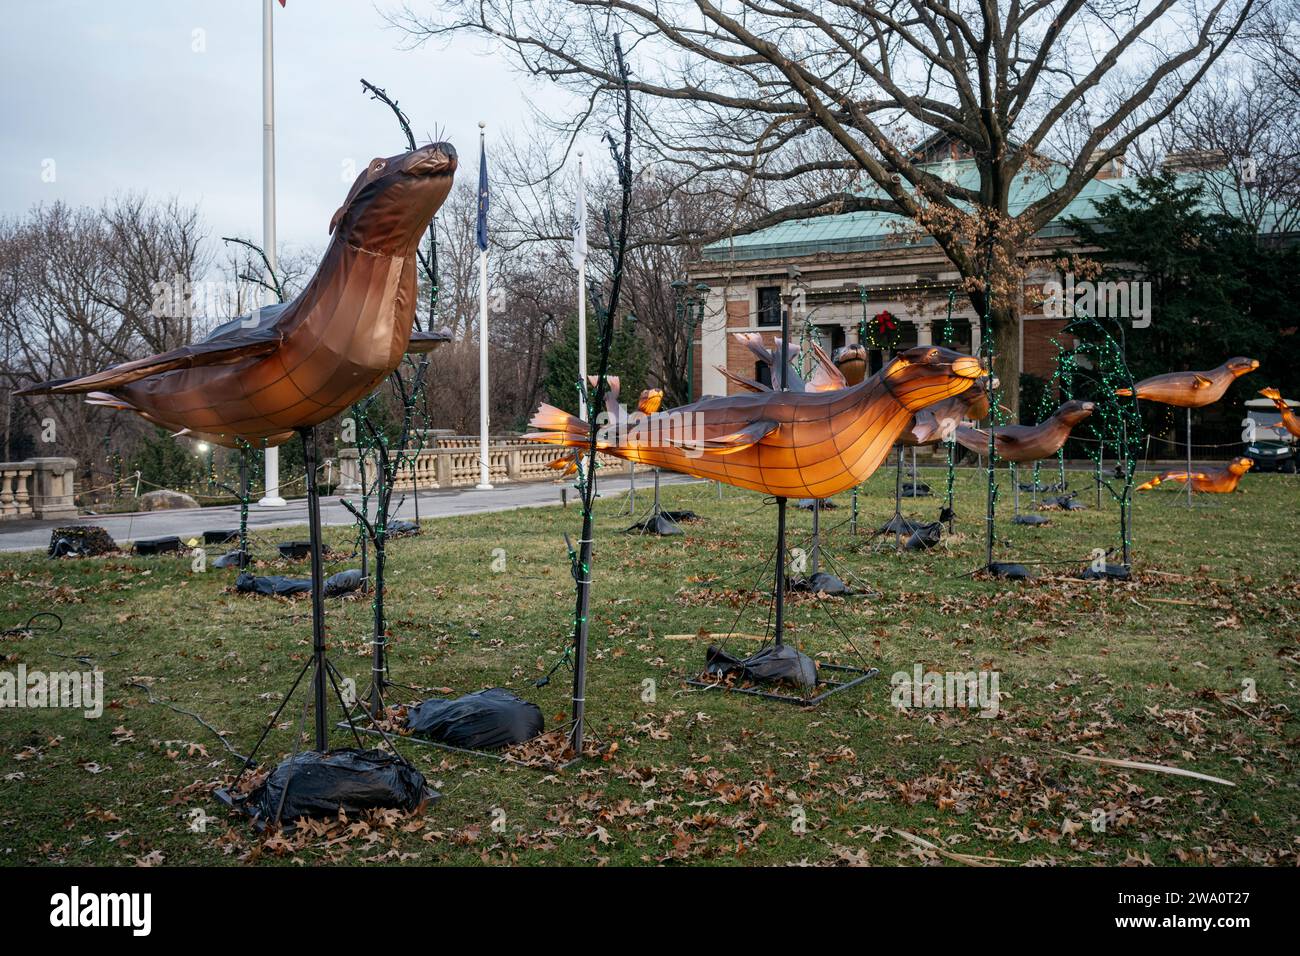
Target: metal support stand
779, 589
319, 678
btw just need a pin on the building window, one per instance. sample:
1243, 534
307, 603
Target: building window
763, 374
769, 306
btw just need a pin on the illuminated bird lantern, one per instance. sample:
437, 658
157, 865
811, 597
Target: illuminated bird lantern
1214, 481
1021, 443
790, 444
1289, 420
291, 366
1024, 443
810, 443
286, 368
1191, 390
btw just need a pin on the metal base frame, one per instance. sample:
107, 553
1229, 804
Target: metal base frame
833, 686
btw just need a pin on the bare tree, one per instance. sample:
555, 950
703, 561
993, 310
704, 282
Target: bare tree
779, 94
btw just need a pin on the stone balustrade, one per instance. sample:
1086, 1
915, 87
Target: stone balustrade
453, 462
38, 488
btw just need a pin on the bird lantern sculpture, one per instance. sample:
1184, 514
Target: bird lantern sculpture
1214, 481
286, 368
1289, 420
1021, 443
790, 444
1190, 390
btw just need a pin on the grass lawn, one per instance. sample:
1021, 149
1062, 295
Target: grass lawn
1152, 670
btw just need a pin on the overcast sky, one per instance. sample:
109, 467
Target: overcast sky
125, 95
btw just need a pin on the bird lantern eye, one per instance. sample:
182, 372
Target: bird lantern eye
377, 165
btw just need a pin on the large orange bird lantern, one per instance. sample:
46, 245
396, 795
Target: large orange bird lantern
810, 444
1215, 481
1192, 389
1289, 420
294, 365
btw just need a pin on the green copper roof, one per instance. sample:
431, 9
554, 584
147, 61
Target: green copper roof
866, 231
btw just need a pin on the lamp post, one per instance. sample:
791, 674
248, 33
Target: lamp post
690, 310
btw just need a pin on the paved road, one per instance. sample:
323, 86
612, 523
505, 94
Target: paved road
32, 535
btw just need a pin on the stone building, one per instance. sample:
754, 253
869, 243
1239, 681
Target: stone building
868, 271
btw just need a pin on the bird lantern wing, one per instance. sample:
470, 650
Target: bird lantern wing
825, 377
746, 383
972, 439
426, 341
243, 338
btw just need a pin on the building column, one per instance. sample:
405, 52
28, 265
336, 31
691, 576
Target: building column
974, 336
713, 345
923, 336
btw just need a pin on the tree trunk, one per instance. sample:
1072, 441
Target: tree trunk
1005, 319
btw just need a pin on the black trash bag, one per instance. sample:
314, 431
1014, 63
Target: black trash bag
399, 528
1068, 502
158, 545
918, 490
772, 664
80, 541
1034, 521
1112, 572
220, 536
807, 504
271, 584
821, 583
659, 524
925, 537
484, 720
345, 582
351, 780
899, 525
294, 550
680, 516
275, 584
1009, 570
232, 559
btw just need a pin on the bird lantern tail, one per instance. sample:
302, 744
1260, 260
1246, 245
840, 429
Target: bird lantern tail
555, 426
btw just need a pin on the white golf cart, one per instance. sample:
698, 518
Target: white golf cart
1273, 447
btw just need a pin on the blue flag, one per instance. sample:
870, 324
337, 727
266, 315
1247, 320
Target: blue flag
482, 196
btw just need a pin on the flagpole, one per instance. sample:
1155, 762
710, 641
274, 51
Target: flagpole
582, 297
484, 483
271, 490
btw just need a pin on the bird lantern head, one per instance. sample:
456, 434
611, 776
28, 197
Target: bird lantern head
1239, 466
1240, 365
1074, 411
390, 204
927, 374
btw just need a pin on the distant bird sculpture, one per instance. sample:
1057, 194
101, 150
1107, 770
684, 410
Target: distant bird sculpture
1019, 443
294, 365
823, 375
1191, 389
1215, 481
940, 421
852, 362
1289, 420
790, 444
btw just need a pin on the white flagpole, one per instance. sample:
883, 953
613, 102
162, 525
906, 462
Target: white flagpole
484, 483
271, 498
582, 293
